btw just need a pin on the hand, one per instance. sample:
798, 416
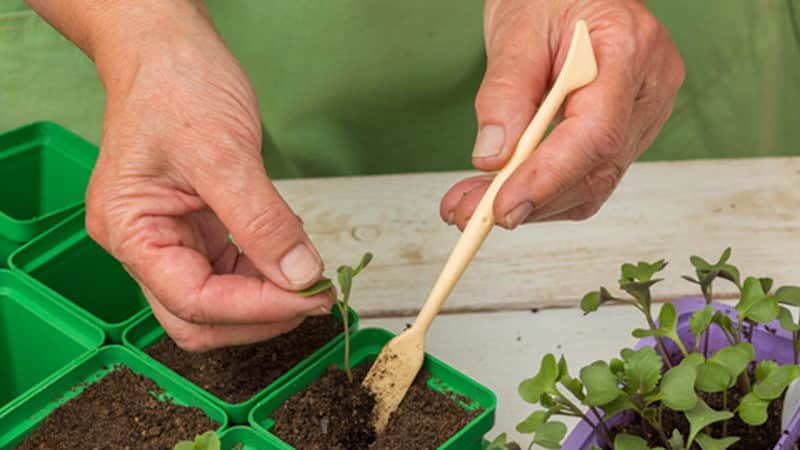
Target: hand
180, 168
605, 126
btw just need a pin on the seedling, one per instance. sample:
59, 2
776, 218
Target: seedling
648, 383
206, 441
345, 275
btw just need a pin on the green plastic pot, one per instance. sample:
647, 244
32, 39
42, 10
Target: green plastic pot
146, 331
37, 338
17, 422
45, 170
6, 248
248, 439
67, 264
365, 347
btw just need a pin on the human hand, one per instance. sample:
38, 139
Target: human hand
605, 126
180, 167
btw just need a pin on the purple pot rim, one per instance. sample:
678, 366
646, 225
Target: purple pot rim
582, 436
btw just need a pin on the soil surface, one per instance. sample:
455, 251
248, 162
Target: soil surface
119, 412
236, 374
751, 438
335, 414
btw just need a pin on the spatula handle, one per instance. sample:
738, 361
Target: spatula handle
483, 218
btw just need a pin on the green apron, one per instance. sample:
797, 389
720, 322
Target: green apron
362, 87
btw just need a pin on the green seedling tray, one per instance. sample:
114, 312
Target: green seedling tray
248, 438
6, 248
67, 264
38, 337
16, 423
146, 331
365, 347
45, 170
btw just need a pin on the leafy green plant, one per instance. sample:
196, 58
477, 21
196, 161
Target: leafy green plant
206, 441
344, 275
789, 296
648, 383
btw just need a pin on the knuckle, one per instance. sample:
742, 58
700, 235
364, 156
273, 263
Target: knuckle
602, 182
271, 223
608, 140
649, 28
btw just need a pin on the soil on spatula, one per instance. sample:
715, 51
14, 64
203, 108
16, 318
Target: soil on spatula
335, 414
751, 438
118, 412
237, 373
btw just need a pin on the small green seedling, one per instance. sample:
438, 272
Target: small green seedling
206, 441
345, 275
648, 383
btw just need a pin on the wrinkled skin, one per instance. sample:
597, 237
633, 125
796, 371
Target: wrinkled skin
180, 168
605, 126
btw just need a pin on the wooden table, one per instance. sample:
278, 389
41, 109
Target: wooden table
661, 210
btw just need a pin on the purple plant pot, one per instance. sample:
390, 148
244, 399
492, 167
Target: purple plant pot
770, 341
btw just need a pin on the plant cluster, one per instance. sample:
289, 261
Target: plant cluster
344, 275
675, 375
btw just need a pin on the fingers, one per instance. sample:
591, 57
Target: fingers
517, 74
594, 132
447, 207
198, 337
263, 225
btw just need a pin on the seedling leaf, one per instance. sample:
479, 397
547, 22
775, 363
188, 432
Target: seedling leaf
787, 320
707, 442
550, 434
753, 410
600, 382
590, 302
205, 441
700, 321
499, 443
629, 442
764, 368
789, 295
713, 377
776, 381
320, 286
544, 381
702, 416
677, 388
532, 423
642, 370
735, 357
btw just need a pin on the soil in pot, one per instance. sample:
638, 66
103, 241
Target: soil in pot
751, 438
236, 374
119, 411
335, 414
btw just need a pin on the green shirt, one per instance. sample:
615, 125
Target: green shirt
361, 87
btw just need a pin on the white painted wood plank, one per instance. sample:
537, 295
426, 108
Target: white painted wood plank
665, 209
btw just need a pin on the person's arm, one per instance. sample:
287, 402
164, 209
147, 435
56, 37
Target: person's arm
180, 167
605, 126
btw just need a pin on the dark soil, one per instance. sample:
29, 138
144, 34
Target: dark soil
236, 374
751, 438
119, 412
335, 414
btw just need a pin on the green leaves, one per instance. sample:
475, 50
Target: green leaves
786, 320
701, 416
627, 442
706, 273
601, 384
205, 441
677, 388
590, 302
667, 327
754, 304
550, 434
320, 286
706, 442
642, 370
700, 321
788, 295
499, 443
771, 381
641, 272
346, 274
533, 422
544, 381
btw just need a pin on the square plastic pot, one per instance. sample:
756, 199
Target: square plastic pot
67, 264
18, 422
38, 337
44, 171
365, 347
146, 331
773, 345
247, 439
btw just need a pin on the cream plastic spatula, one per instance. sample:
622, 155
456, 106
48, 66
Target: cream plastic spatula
401, 359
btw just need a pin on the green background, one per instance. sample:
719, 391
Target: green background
357, 87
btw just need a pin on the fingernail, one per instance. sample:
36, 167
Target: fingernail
300, 265
489, 141
518, 215
321, 311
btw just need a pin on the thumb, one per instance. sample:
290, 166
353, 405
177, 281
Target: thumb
517, 73
265, 228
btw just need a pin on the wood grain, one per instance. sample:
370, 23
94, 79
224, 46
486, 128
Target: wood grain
661, 210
